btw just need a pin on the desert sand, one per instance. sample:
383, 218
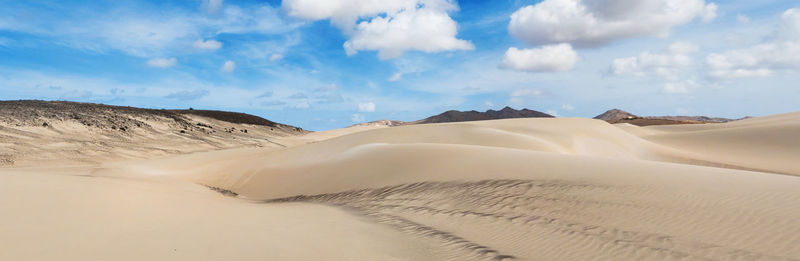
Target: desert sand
514, 189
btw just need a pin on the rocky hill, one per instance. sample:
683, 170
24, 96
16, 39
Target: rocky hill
32, 131
620, 116
615, 115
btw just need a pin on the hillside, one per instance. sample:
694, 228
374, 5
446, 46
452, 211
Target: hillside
33, 131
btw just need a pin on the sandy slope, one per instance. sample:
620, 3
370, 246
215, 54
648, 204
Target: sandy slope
525, 189
73, 143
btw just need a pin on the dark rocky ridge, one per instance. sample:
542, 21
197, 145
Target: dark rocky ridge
505, 113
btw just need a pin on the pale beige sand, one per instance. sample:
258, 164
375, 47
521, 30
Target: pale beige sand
525, 189
72, 143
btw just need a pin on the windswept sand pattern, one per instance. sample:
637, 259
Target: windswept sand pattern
518, 189
532, 208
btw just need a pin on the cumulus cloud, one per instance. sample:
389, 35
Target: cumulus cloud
187, 95
423, 30
781, 52
207, 44
548, 58
366, 107
228, 66
666, 64
596, 23
162, 62
389, 27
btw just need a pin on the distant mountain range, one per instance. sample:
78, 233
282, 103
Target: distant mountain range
611, 116
461, 116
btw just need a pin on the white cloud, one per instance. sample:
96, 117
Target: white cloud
275, 57
395, 77
212, 6
389, 27
228, 66
423, 30
162, 62
357, 118
596, 23
667, 64
790, 25
366, 107
207, 44
548, 58
709, 12
568, 107
781, 52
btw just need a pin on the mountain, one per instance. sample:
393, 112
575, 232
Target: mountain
620, 116
88, 132
615, 115
505, 113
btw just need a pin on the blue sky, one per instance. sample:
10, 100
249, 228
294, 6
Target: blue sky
329, 64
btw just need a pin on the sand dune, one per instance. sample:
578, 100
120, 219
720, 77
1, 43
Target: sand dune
516, 189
